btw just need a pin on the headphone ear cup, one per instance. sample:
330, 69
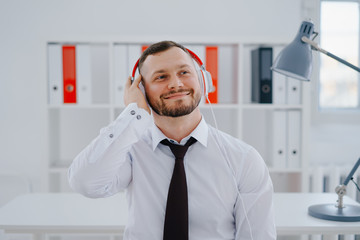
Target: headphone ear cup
202, 82
208, 83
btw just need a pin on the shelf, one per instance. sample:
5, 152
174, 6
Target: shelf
219, 106
79, 106
202, 106
60, 167
72, 126
258, 106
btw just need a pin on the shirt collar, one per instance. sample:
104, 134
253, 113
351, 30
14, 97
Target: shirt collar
200, 133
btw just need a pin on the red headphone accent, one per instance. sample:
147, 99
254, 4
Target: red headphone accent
134, 70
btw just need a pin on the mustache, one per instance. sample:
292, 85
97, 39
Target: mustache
164, 95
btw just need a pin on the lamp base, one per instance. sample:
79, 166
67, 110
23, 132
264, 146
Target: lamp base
349, 213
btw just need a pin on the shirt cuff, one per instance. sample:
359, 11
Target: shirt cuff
133, 117
132, 122
132, 110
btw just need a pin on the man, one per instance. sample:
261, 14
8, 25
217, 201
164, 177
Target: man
228, 191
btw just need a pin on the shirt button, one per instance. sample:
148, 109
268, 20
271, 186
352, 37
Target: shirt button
132, 112
138, 117
111, 135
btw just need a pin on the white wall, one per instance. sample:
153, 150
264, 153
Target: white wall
25, 24
335, 144
334, 135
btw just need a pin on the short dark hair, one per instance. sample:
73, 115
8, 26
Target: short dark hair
159, 47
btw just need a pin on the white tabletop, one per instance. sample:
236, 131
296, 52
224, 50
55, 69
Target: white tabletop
291, 215
73, 213
64, 213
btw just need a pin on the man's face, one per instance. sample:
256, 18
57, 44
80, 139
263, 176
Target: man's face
171, 83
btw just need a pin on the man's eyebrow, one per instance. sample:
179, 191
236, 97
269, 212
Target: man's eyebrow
158, 71
163, 70
184, 65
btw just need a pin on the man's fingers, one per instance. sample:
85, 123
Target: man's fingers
128, 82
137, 80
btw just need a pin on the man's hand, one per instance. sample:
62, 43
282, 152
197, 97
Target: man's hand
133, 94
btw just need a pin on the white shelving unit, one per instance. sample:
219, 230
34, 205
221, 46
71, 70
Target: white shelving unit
72, 126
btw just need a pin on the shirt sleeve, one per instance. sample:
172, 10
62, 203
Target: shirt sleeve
103, 168
254, 215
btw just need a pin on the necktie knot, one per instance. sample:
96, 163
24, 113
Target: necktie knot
179, 151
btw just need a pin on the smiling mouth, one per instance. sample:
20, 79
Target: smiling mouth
177, 95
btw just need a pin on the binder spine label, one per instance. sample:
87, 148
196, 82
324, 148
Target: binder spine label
212, 67
69, 74
261, 61
55, 74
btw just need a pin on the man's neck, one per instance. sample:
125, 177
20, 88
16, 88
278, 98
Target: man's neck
179, 127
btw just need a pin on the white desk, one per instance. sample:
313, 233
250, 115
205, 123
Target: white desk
64, 213
41, 214
291, 216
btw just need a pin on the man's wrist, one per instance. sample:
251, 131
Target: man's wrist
133, 109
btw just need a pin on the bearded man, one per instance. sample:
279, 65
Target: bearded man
183, 178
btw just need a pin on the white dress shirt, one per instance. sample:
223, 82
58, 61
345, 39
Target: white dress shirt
229, 188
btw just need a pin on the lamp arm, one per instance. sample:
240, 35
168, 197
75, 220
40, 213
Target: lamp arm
318, 48
347, 180
340, 190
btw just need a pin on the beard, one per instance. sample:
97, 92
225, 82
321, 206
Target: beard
180, 108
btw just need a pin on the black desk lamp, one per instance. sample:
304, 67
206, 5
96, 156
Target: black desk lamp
295, 61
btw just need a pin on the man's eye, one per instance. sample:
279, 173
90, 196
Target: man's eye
184, 72
161, 77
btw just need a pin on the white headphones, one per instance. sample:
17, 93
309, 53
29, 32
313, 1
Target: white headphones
205, 79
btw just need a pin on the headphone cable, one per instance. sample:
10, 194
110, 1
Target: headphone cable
222, 149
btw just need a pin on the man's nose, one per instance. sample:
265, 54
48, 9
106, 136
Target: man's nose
175, 82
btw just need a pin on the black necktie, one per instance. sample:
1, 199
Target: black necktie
176, 226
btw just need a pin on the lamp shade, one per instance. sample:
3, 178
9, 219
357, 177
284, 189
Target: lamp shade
295, 60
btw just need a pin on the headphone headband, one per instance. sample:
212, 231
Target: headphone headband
134, 70
193, 55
